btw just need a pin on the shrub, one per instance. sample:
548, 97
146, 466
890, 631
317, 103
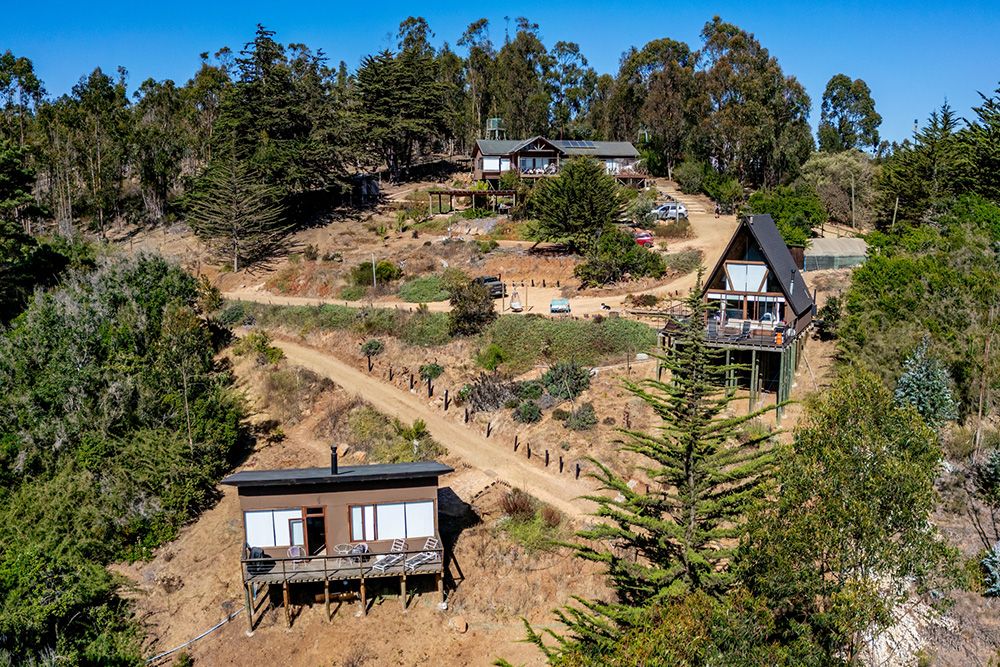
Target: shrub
311, 253
518, 505
385, 272
490, 392
532, 389
677, 229
423, 290
829, 318
259, 343
425, 328
560, 415
490, 357
487, 246
618, 254
472, 309
209, 296
583, 419
234, 314
684, 262
566, 380
690, 175
550, 516
430, 371
991, 571
352, 293
643, 300
528, 412
608, 421
372, 348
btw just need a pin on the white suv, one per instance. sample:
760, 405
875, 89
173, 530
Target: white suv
671, 211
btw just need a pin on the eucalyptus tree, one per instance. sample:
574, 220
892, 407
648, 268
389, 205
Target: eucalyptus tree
848, 118
160, 141
522, 87
21, 91
479, 73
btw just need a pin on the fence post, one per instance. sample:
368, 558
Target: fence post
528, 445
445, 400
390, 373
546, 458
578, 471
467, 415
489, 426
560, 464
515, 443
411, 381
369, 363
430, 389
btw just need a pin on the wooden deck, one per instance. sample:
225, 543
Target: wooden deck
329, 568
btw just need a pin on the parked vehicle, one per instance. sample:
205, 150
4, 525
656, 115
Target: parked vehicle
643, 238
497, 288
670, 211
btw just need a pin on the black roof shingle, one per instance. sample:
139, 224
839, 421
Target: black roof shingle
378, 472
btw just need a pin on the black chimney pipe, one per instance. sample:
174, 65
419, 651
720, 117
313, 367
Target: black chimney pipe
333, 459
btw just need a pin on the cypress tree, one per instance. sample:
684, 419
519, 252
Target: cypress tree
684, 530
927, 386
577, 206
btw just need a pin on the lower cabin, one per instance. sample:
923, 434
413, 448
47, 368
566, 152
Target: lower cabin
346, 524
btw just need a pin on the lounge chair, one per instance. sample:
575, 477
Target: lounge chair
393, 558
428, 555
713, 330
744, 332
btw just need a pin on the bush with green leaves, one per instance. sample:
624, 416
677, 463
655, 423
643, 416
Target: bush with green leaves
385, 272
582, 419
527, 412
532, 389
927, 386
567, 379
258, 343
560, 415
490, 357
430, 371
472, 309
116, 367
991, 571
796, 210
615, 256
372, 348
425, 289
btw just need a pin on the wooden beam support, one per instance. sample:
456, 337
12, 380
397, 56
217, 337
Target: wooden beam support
326, 598
288, 602
402, 589
364, 600
440, 584
248, 601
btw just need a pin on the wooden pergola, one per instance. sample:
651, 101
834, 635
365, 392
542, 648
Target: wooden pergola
492, 198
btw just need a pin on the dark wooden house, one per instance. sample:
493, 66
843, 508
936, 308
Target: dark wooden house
539, 157
759, 309
343, 523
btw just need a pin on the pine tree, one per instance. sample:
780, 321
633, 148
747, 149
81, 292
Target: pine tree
237, 216
927, 386
702, 483
578, 206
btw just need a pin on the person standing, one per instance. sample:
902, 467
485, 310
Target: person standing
717, 209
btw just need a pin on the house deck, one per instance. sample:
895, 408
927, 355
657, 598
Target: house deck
329, 568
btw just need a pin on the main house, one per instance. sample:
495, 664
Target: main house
348, 523
759, 310
539, 157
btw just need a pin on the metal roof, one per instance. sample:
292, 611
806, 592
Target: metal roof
845, 247
568, 147
378, 472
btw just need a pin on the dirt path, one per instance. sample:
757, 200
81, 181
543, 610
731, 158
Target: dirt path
461, 441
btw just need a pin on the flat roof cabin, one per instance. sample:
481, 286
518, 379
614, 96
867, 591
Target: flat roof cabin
339, 523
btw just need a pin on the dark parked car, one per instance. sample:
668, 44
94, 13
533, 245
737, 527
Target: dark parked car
497, 288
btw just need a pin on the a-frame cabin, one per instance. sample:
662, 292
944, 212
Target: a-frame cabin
759, 310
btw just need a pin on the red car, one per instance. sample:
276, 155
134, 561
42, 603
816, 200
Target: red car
643, 238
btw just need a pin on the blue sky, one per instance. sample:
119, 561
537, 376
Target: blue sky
913, 55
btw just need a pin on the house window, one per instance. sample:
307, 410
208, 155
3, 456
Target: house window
505, 164
273, 528
491, 164
389, 521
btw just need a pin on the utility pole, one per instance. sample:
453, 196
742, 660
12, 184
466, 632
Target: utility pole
894, 211
374, 279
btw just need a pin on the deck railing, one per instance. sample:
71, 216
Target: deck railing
339, 566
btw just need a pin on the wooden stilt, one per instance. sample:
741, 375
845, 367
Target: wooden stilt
288, 604
440, 583
326, 596
364, 600
248, 601
402, 589
754, 377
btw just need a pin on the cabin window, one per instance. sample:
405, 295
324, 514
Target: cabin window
505, 164
272, 528
745, 277
491, 164
389, 521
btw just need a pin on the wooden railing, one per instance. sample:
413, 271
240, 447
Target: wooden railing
337, 566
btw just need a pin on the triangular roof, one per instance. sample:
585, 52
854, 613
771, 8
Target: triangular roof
764, 232
566, 147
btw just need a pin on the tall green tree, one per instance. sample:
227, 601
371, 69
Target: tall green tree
577, 206
848, 536
673, 540
522, 85
479, 72
21, 91
926, 385
236, 215
160, 142
848, 118
981, 140
756, 126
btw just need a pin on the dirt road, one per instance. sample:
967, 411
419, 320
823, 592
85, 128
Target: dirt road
490, 456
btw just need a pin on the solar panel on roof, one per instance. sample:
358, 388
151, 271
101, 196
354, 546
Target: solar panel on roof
587, 144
